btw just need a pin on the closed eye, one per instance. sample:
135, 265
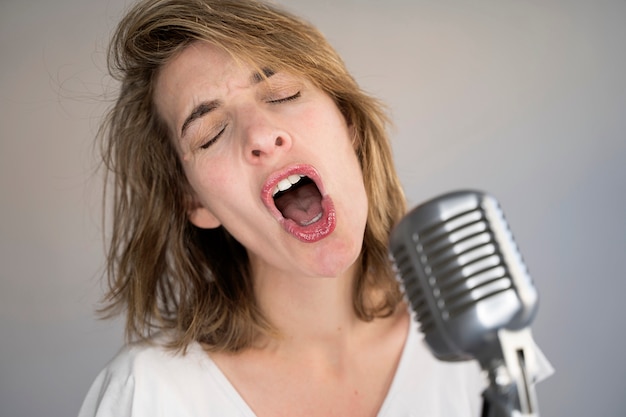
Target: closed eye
285, 99
213, 139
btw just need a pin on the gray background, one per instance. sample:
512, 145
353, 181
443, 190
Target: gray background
525, 99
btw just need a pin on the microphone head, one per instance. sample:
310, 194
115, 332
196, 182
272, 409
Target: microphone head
462, 274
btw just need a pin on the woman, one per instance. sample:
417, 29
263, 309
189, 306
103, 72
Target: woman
253, 195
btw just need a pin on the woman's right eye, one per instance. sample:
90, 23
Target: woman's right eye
211, 141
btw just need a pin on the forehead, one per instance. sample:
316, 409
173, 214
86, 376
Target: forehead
196, 73
199, 61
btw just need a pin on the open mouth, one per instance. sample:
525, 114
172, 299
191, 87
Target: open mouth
298, 201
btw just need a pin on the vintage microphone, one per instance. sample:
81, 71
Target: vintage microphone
467, 284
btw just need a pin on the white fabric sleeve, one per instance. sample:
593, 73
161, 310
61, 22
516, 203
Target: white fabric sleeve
110, 395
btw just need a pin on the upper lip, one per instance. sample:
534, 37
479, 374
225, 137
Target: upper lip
273, 179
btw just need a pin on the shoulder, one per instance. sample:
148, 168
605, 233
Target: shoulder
147, 379
154, 360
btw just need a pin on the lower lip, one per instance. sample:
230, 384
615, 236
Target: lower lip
315, 231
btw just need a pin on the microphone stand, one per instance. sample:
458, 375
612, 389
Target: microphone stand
512, 376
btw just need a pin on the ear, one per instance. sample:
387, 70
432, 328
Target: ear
200, 216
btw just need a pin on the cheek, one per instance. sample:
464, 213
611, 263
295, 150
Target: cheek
208, 180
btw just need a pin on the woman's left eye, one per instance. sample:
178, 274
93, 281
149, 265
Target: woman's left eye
285, 99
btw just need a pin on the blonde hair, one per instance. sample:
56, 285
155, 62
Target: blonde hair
169, 275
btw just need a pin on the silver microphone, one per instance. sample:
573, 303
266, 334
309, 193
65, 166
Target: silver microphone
467, 284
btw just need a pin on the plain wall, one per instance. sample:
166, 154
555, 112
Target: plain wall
524, 99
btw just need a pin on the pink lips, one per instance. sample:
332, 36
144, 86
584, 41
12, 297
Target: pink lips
314, 231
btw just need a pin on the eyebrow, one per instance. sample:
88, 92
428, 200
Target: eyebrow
257, 78
208, 106
197, 112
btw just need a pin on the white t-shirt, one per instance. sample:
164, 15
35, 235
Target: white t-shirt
149, 381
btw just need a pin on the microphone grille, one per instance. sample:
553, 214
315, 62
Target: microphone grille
460, 267
413, 290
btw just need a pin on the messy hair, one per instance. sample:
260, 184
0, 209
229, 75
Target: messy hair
165, 273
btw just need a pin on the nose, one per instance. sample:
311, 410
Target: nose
259, 150
263, 137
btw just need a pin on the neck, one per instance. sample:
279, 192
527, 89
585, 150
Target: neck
308, 311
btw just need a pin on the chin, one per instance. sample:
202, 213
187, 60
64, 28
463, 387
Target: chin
336, 259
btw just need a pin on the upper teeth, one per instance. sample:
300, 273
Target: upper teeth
286, 183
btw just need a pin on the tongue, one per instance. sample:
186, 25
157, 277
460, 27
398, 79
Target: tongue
302, 205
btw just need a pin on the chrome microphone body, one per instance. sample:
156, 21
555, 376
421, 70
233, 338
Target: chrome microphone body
467, 284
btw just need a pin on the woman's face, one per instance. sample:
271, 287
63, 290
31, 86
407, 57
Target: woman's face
271, 159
